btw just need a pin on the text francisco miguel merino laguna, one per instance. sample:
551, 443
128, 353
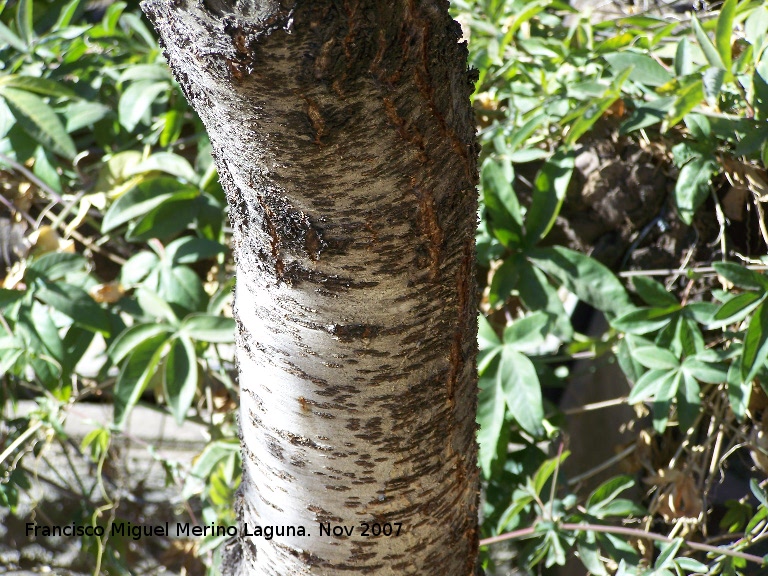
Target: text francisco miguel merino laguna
138, 531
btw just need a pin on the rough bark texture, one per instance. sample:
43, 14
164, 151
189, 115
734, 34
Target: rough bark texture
344, 139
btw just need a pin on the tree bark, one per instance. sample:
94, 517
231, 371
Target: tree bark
344, 138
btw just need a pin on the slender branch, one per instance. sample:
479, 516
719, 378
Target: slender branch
623, 530
603, 466
634, 532
20, 440
31, 177
670, 271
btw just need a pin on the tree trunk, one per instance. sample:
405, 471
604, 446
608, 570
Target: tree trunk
344, 138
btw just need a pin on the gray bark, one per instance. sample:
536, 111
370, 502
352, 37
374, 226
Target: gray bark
344, 139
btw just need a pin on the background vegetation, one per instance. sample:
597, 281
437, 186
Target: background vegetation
623, 177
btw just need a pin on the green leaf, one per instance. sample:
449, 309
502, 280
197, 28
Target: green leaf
755, 343
154, 305
527, 332
179, 285
736, 309
136, 101
549, 190
683, 58
609, 490
708, 372
56, 265
632, 368
546, 470
519, 383
687, 99
653, 293
501, 202
504, 280
712, 82
645, 69
585, 277
154, 72
39, 120
688, 401
128, 340
174, 122
190, 249
66, 14
647, 114
75, 302
144, 197
656, 358
219, 300
138, 267
739, 391
692, 186
537, 293
488, 343
10, 297
759, 493
668, 553
205, 463
82, 114
47, 330
651, 384
490, 418
724, 32
586, 116
486, 336
741, 276
180, 377
24, 20
135, 376
165, 221
169, 163
76, 343
512, 512
760, 99
691, 565
710, 52
620, 507
207, 328
698, 125
590, 556
41, 86
11, 39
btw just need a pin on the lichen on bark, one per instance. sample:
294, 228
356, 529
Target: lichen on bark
344, 139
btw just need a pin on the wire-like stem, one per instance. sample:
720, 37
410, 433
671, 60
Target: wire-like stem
625, 531
20, 440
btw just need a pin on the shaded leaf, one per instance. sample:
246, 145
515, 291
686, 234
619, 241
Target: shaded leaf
130, 339
180, 377
135, 376
755, 343
206, 328
75, 302
653, 293
549, 190
144, 197
585, 277
645, 69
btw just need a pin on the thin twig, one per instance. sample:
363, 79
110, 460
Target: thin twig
703, 270
31, 177
602, 466
623, 530
20, 440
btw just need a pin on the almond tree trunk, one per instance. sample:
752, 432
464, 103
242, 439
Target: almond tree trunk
344, 138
